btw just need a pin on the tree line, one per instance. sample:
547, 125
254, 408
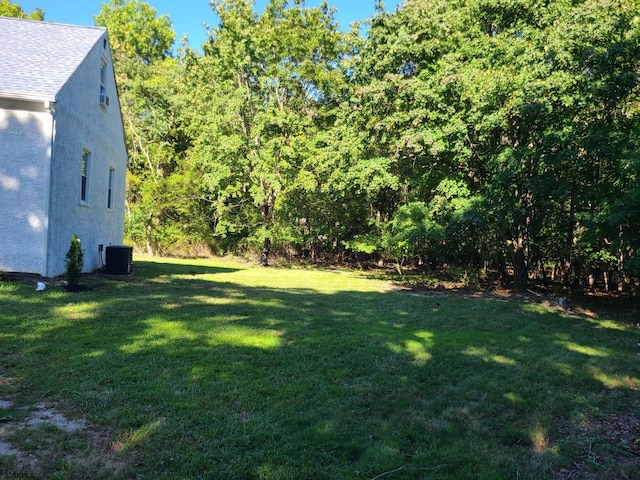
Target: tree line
496, 134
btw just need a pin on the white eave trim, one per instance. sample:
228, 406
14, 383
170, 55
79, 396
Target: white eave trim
46, 99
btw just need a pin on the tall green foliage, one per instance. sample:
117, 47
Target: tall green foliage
10, 9
471, 132
149, 80
135, 31
527, 102
74, 262
264, 86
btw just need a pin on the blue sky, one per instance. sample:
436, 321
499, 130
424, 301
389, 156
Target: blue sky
189, 15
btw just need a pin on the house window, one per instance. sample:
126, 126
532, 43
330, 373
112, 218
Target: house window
104, 99
112, 174
84, 190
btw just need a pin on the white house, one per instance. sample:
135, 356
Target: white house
63, 157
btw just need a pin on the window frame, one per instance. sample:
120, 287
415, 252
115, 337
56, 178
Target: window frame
85, 170
110, 187
103, 98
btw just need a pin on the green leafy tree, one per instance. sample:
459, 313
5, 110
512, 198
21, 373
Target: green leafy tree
525, 102
263, 90
159, 195
148, 86
136, 31
485, 131
10, 9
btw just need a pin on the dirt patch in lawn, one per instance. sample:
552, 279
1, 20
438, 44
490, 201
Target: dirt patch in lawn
39, 441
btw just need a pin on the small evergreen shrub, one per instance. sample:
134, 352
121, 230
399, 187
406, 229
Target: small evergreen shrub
74, 262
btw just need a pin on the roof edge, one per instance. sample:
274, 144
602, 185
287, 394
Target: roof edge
27, 98
49, 22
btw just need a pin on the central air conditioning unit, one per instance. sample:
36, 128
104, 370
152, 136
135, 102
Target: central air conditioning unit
119, 259
104, 100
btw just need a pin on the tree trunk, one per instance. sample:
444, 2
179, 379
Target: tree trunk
566, 274
264, 254
545, 279
520, 274
502, 270
577, 277
592, 280
517, 251
621, 261
150, 250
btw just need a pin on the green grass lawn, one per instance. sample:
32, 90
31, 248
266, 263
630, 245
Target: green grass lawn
216, 369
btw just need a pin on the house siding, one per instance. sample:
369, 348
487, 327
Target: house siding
50, 113
82, 124
25, 149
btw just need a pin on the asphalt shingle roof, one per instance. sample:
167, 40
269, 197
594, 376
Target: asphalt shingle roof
37, 58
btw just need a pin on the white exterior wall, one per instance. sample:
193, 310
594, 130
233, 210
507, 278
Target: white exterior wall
41, 146
83, 124
25, 148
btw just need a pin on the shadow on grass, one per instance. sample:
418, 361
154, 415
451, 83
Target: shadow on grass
150, 269
197, 375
